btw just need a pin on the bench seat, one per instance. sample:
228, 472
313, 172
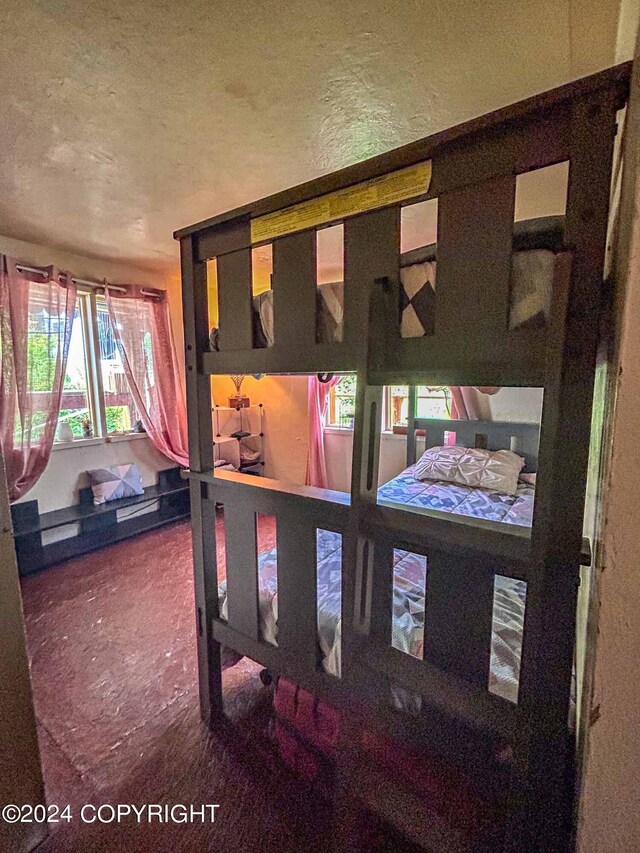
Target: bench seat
97, 525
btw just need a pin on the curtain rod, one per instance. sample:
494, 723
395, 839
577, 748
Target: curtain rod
99, 285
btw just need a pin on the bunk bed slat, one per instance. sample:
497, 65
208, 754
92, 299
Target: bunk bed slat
382, 593
411, 427
242, 568
475, 234
275, 496
371, 251
356, 549
518, 358
469, 704
549, 634
203, 521
234, 300
458, 616
294, 287
318, 358
196, 339
200, 436
230, 237
297, 591
427, 528
519, 146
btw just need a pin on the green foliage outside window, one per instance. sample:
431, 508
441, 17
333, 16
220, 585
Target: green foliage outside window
42, 350
345, 401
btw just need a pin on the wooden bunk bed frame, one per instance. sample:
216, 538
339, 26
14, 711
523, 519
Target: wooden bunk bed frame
474, 169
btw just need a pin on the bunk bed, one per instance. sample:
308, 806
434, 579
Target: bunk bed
518, 754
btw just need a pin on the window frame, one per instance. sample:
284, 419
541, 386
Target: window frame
84, 309
388, 426
99, 298
96, 372
96, 403
330, 420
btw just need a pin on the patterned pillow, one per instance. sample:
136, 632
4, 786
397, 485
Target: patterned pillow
496, 470
418, 300
109, 484
528, 478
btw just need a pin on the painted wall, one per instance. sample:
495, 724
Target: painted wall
518, 405
286, 423
66, 472
64, 475
609, 813
338, 445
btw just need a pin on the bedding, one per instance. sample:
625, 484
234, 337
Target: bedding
409, 582
495, 470
530, 300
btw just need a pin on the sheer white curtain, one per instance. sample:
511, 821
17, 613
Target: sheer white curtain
36, 318
142, 330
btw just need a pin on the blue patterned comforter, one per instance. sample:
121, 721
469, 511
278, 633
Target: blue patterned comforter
410, 571
459, 500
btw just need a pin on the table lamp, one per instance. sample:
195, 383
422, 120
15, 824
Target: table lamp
239, 401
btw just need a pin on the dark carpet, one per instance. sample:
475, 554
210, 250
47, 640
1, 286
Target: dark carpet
112, 645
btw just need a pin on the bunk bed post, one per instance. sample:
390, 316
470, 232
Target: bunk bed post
200, 434
549, 636
357, 560
372, 267
411, 426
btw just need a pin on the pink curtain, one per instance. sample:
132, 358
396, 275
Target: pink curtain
318, 398
36, 318
142, 330
464, 401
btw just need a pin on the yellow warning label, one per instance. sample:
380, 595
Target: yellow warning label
378, 192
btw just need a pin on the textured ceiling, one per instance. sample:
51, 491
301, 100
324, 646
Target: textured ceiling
122, 121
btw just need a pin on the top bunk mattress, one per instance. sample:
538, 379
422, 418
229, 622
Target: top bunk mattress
532, 267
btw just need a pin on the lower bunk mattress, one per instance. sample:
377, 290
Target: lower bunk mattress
410, 573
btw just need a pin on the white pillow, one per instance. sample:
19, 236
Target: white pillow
496, 470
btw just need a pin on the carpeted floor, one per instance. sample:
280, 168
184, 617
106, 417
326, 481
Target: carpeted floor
112, 644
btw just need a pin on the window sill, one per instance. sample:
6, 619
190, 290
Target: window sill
386, 434
126, 436
88, 442
77, 442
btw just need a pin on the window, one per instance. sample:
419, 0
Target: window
44, 340
119, 406
431, 402
96, 400
342, 402
77, 407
